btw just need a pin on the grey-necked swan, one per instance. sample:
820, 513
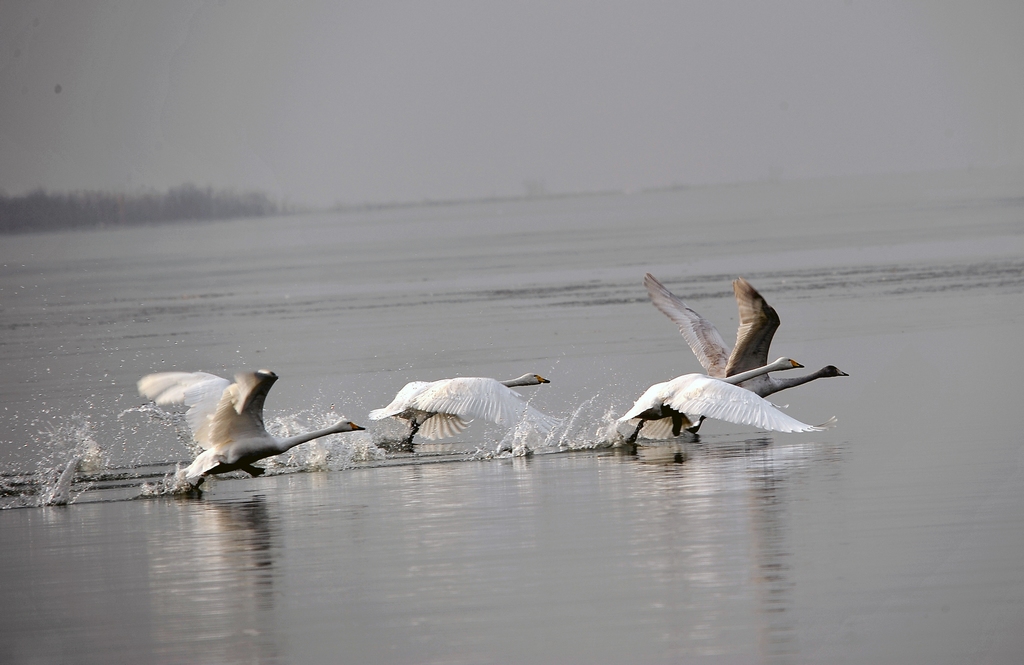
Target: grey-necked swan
439, 409
758, 323
672, 405
226, 419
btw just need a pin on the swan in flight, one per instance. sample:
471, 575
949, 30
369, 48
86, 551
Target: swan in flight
758, 323
226, 419
672, 405
439, 409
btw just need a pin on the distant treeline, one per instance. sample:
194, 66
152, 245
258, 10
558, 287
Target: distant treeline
43, 211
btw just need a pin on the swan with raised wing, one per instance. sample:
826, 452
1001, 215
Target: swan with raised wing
226, 419
439, 409
758, 323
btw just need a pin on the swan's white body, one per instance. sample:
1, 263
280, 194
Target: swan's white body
758, 323
440, 409
226, 419
671, 406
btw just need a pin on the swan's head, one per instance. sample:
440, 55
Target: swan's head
526, 380
832, 370
346, 426
786, 363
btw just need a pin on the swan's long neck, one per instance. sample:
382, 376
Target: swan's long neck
750, 374
783, 384
290, 442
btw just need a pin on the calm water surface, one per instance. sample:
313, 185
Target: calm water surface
895, 537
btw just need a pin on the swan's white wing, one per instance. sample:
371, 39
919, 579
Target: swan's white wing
702, 336
199, 391
540, 420
400, 404
470, 398
442, 426
239, 413
705, 396
167, 388
652, 398
657, 429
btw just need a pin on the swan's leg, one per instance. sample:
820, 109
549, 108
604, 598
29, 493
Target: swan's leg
252, 470
414, 426
677, 423
636, 432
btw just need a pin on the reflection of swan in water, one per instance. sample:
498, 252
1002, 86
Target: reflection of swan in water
439, 409
672, 404
225, 575
227, 419
758, 323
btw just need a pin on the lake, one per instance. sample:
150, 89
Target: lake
893, 537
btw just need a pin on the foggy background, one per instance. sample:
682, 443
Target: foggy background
317, 103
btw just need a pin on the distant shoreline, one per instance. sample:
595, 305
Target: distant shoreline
42, 211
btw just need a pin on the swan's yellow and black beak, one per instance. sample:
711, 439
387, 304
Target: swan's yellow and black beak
795, 363
541, 378
356, 428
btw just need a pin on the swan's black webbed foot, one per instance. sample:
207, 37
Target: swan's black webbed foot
693, 430
253, 471
636, 432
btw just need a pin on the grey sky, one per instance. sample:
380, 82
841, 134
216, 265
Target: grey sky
324, 102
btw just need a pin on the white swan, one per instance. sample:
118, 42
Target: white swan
671, 405
227, 419
439, 409
758, 323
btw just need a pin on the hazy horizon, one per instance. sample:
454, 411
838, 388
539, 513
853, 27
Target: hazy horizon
367, 103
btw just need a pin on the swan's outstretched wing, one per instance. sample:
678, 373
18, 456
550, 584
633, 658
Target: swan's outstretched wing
472, 397
652, 399
199, 391
758, 323
402, 400
218, 411
657, 429
705, 396
239, 413
442, 426
702, 336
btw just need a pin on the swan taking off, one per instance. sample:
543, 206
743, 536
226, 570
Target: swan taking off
758, 323
439, 409
672, 405
226, 419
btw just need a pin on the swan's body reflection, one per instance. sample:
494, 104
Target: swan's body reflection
708, 498
214, 579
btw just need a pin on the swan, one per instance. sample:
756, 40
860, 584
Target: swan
439, 409
227, 419
672, 404
758, 322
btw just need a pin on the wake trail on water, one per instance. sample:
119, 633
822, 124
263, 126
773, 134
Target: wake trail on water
147, 455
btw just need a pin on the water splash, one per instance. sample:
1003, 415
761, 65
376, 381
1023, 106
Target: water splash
70, 447
330, 453
175, 419
590, 425
172, 484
